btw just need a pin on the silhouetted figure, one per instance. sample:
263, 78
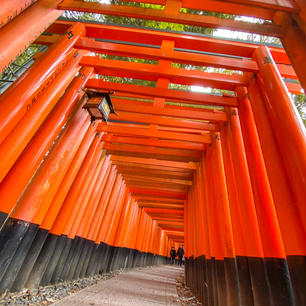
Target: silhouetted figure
172, 255
180, 254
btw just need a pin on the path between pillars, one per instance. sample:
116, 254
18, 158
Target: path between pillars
154, 286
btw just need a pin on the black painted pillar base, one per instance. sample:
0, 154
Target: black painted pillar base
32, 257
248, 281
3, 217
297, 270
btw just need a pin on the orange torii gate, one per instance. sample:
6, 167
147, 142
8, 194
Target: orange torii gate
223, 174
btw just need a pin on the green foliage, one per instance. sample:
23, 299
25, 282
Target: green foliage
24, 57
10, 74
300, 103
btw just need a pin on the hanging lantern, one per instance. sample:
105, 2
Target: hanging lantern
99, 105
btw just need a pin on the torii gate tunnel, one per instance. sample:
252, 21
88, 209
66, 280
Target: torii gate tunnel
222, 174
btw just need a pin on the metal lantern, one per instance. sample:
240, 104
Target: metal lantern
99, 105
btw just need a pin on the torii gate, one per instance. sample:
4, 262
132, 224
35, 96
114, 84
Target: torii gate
223, 174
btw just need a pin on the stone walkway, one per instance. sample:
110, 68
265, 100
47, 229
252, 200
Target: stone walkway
154, 286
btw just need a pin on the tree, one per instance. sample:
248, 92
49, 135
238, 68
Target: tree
300, 103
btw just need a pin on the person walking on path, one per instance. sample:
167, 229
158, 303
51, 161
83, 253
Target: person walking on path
180, 254
172, 255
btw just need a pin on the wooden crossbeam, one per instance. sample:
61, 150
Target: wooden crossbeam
147, 167
285, 5
209, 60
157, 206
177, 214
173, 218
163, 211
183, 96
136, 169
153, 192
143, 178
169, 111
161, 120
165, 219
170, 222
147, 161
174, 233
169, 202
294, 88
260, 9
187, 154
160, 189
153, 72
218, 61
285, 70
155, 156
156, 185
159, 199
128, 130
153, 37
178, 233
177, 238
154, 142
171, 227
154, 205
171, 15
179, 223
149, 188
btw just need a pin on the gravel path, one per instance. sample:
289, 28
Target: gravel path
154, 286
49, 294
186, 297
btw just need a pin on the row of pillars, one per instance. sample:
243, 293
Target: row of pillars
245, 218
65, 211
245, 215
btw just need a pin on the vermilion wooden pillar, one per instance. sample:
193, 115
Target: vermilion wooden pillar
29, 124
289, 219
68, 208
289, 216
28, 161
84, 196
222, 213
125, 219
103, 202
84, 193
119, 202
250, 291
271, 238
98, 213
104, 225
134, 231
11, 9
68, 180
33, 205
92, 209
286, 125
35, 201
21, 93
22, 30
